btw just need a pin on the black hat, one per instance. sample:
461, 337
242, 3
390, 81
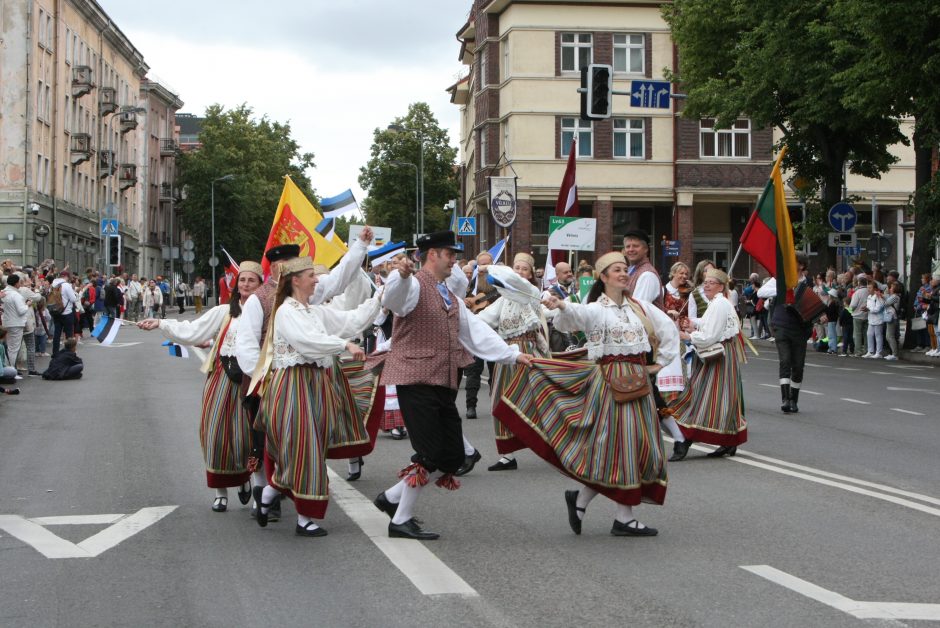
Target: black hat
638, 234
285, 251
439, 240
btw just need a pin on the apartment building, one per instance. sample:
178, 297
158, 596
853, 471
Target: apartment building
646, 167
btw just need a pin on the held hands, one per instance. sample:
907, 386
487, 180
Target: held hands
148, 324
553, 303
366, 234
524, 358
355, 351
406, 268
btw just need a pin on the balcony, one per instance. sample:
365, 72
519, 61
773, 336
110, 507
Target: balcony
128, 176
80, 148
82, 80
128, 121
168, 147
105, 163
107, 101
166, 192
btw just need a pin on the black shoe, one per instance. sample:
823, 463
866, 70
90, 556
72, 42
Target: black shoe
244, 493
785, 396
410, 530
723, 451
300, 530
509, 465
352, 477
626, 529
381, 502
680, 450
261, 517
34, 373
274, 514
220, 504
571, 500
471, 413
399, 433
469, 462
794, 397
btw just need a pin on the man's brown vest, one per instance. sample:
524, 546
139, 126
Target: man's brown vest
643, 267
425, 344
266, 294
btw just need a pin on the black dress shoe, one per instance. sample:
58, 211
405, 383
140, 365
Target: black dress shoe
244, 493
308, 531
724, 450
274, 514
508, 465
410, 530
352, 477
471, 413
632, 528
571, 500
220, 504
260, 517
680, 450
381, 502
469, 462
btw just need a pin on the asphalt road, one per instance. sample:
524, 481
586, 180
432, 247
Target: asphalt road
826, 518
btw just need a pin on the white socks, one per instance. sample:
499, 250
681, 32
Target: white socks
303, 522
625, 515
468, 447
221, 492
258, 479
353, 465
409, 497
394, 494
673, 427
267, 496
585, 495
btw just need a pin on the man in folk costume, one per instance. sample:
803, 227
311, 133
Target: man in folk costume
433, 333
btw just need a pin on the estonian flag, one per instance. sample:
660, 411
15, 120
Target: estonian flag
106, 330
385, 253
175, 350
336, 206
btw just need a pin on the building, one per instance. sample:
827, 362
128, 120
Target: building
190, 126
646, 167
73, 148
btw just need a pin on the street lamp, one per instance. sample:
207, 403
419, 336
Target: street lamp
417, 197
213, 260
397, 128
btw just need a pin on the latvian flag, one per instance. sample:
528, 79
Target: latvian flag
106, 330
338, 205
175, 350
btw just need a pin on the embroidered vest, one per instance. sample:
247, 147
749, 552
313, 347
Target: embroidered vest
644, 267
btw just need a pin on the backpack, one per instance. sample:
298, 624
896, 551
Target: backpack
54, 302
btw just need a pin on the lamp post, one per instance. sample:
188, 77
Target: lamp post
417, 197
213, 260
397, 128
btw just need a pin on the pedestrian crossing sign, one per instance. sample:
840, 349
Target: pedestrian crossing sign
109, 227
466, 226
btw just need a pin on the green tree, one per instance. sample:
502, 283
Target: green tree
774, 62
258, 152
391, 183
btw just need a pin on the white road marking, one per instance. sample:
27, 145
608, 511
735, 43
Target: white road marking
113, 344
858, 401
844, 368
816, 366
771, 385
33, 531
425, 570
920, 390
811, 392
908, 366
908, 411
929, 379
858, 609
881, 373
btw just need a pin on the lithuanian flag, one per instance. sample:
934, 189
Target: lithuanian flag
768, 236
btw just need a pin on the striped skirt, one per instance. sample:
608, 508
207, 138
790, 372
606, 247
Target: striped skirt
391, 418
711, 409
565, 412
224, 431
506, 441
311, 414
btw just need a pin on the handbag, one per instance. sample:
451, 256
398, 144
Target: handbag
918, 323
712, 353
626, 388
232, 370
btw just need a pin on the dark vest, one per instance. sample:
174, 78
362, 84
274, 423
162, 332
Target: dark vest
643, 267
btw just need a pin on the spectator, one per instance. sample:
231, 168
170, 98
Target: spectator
749, 296
112, 299
8, 374
833, 312
933, 309
891, 315
921, 305
876, 320
133, 295
152, 299
43, 327
65, 321
65, 364
98, 303
181, 290
164, 286
847, 323
29, 331
199, 294
15, 313
859, 307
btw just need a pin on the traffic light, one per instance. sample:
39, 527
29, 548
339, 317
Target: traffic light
597, 84
113, 250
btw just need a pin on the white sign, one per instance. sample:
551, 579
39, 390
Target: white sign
12, 251
503, 200
35, 532
837, 238
571, 234
381, 235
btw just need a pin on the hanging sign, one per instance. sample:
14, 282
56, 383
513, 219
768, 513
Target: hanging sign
503, 200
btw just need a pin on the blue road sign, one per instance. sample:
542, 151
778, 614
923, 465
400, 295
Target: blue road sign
671, 248
842, 217
654, 94
466, 225
109, 227
849, 251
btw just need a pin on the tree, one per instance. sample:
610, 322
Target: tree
774, 62
390, 182
258, 152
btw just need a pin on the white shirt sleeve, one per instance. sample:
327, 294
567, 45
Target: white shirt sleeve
666, 331
356, 293
457, 282
332, 284
294, 326
576, 317
401, 296
350, 323
648, 287
713, 324
196, 332
490, 314
768, 290
248, 336
480, 340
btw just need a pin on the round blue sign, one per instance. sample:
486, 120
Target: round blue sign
842, 217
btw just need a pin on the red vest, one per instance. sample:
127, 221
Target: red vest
266, 294
425, 346
643, 267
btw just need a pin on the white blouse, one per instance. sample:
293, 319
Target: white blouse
613, 329
202, 330
313, 334
719, 323
513, 314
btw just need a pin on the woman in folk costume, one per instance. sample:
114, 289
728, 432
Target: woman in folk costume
310, 406
573, 414
698, 302
671, 380
224, 430
711, 410
517, 318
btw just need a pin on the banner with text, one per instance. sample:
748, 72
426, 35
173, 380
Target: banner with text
571, 234
503, 200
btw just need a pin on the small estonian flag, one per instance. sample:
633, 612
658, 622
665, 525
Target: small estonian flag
106, 330
175, 350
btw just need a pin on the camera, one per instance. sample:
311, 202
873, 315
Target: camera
34, 209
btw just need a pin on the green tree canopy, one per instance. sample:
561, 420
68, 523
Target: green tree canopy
258, 152
391, 186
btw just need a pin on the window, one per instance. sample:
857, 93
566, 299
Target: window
50, 33
40, 100
575, 51
629, 51
41, 29
506, 68
65, 184
483, 57
629, 138
733, 142
483, 160
572, 128
68, 46
506, 139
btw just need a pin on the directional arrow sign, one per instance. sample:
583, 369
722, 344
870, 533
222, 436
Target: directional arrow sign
654, 94
35, 532
842, 217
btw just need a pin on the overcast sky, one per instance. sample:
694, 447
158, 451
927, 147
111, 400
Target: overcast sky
334, 69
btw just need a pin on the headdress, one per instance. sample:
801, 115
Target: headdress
297, 265
605, 260
251, 267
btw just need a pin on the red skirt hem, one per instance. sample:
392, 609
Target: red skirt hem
313, 508
226, 480
713, 438
509, 445
372, 428
655, 493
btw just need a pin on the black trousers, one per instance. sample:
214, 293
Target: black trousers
430, 414
474, 374
62, 323
791, 349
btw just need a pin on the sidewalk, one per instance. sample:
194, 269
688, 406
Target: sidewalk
904, 356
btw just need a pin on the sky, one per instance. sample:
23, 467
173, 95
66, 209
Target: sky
334, 69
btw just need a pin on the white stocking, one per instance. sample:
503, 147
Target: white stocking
267, 496
406, 505
258, 479
394, 494
468, 447
353, 465
585, 495
221, 492
673, 427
